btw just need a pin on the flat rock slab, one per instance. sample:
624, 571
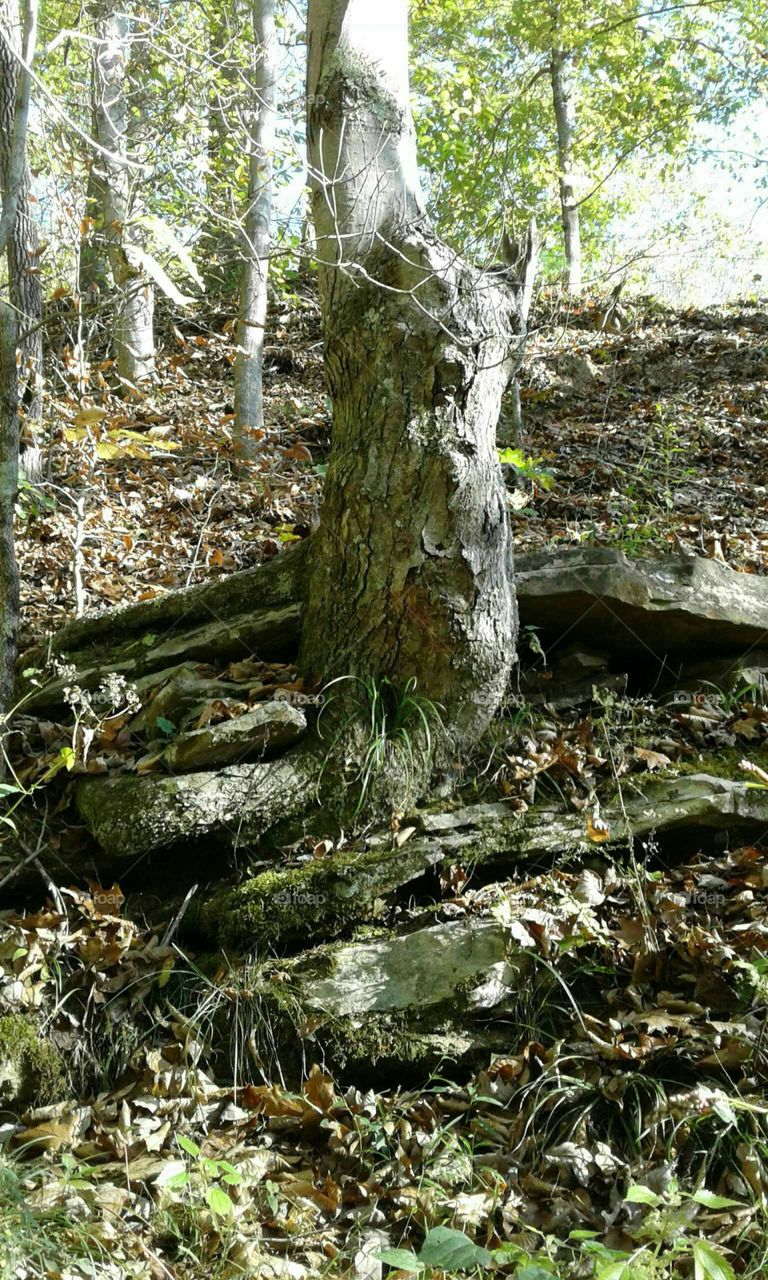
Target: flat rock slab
130, 815
645, 608
270, 728
414, 971
318, 899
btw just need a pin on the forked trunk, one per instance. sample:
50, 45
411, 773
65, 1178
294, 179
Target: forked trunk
412, 571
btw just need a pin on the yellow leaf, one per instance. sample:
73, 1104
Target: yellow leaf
90, 417
598, 831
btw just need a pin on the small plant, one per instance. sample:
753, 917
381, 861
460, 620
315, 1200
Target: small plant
204, 1179
528, 468
391, 721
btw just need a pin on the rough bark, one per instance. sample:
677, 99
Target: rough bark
565, 119
134, 304
249, 411
412, 568
9, 479
14, 168
24, 242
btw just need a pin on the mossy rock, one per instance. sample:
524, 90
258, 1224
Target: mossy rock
31, 1068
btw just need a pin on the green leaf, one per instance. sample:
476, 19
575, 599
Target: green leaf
68, 756
534, 1272
712, 1201
512, 457
642, 1195
403, 1259
187, 1145
219, 1202
165, 726
7, 788
709, 1264
173, 1174
451, 1250
614, 1271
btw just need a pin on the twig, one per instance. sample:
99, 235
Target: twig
177, 919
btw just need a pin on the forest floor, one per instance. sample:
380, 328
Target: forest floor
625, 1134
650, 439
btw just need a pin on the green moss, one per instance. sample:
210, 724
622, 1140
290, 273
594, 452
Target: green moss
723, 763
319, 899
31, 1068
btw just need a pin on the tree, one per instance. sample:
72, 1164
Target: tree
411, 578
256, 229
563, 103
13, 177
23, 248
134, 303
533, 109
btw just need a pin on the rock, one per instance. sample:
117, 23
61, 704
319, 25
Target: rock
270, 728
648, 609
324, 896
569, 680
268, 634
31, 1068
387, 974
130, 815
177, 692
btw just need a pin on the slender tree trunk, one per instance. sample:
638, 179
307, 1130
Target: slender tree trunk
24, 243
565, 119
249, 411
225, 19
411, 577
12, 182
134, 338
9, 483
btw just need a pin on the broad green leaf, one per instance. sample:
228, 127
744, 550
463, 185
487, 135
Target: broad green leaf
614, 1271
642, 1195
712, 1201
452, 1251
173, 1174
402, 1259
219, 1202
187, 1145
709, 1264
165, 726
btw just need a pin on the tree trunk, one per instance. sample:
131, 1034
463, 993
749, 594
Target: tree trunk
24, 242
12, 180
412, 576
134, 303
562, 97
249, 411
9, 480
220, 271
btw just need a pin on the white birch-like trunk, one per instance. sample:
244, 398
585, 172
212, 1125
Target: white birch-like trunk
565, 120
134, 302
252, 314
411, 577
